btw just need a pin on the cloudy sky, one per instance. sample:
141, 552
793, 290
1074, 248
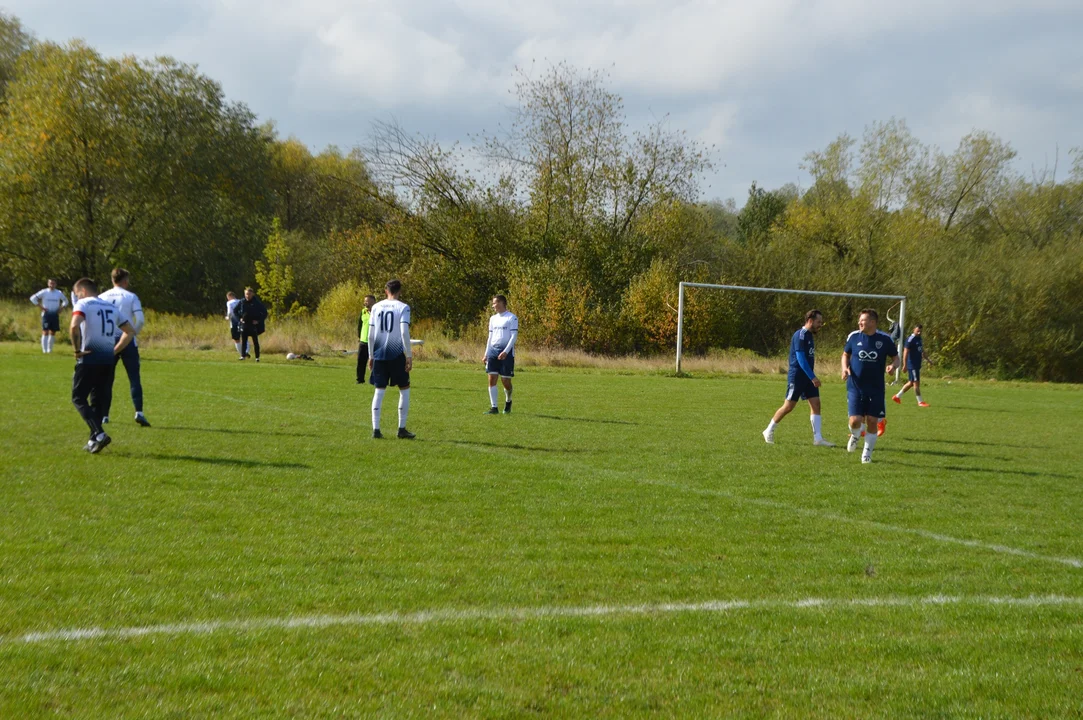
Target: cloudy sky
764, 81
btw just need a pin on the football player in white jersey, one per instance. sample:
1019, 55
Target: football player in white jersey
499, 355
95, 324
390, 356
128, 303
50, 300
234, 325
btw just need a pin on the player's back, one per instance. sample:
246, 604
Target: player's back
128, 303
387, 317
101, 326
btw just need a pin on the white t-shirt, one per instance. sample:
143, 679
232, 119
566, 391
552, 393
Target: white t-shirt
128, 303
389, 330
101, 323
50, 300
503, 331
230, 304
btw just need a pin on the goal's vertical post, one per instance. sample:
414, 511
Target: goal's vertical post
902, 336
680, 324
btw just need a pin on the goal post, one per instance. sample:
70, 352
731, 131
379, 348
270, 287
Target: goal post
784, 291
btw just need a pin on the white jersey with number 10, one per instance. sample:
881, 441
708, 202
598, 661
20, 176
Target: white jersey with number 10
389, 333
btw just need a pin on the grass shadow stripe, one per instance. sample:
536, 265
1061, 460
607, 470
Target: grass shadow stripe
527, 613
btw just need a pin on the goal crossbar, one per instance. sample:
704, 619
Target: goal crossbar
785, 291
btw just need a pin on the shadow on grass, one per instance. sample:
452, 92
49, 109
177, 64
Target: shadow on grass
236, 462
578, 419
977, 409
987, 471
232, 431
511, 446
975, 442
948, 453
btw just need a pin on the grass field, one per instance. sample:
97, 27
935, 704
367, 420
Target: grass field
623, 544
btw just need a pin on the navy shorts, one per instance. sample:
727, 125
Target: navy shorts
50, 321
865, 402
390, 372
801, 389
503, 368
235, 333
914, 374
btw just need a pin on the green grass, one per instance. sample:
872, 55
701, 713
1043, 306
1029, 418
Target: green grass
258, 494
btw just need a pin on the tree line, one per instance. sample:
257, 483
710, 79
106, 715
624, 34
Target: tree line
584, 223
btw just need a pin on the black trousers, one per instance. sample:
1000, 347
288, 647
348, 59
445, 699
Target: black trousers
91, 392
244, 343
362, 361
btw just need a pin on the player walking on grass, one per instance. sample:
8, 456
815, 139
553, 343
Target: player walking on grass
251, 316
363, 338
128, 303
913, 354
863, 368
390, 356
234, 324
499, 355
802, 383
50, 300
95, 324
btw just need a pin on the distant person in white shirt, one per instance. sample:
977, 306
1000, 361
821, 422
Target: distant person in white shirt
128, 303
390, 356
99, 333
499, 355
234, 323
50, 300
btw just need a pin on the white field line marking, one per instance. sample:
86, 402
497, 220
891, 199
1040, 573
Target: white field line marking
835, 517
529, 613
775, 504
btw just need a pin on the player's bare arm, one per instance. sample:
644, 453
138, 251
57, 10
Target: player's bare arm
845, 365
128, 333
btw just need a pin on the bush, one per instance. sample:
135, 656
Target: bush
340, 309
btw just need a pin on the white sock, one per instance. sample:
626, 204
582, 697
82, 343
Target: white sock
817, 427
898, 394
404, 406
493, 394
377, 406
870, 442
51, 341
45, 343
507, 395
855, 432
238, 346
771, 426
919, 398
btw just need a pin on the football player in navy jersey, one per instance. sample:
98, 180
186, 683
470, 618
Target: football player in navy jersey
864, 365
913, 356
802, 383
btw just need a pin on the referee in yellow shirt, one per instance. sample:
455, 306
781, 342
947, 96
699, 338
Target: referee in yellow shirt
363, 339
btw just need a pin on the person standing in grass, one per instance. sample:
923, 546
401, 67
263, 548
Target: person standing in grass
234, 324
913, 354
251, 316
50, 300
864, 364
499, 355
128, 303
802, 383
100, 332
390, 356
363, 338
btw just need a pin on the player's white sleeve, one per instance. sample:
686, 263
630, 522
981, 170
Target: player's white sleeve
36, 297
372, 341
137, 318
404, 327
63, 301
511, 341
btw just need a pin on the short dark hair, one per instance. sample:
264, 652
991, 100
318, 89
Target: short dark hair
49, 280
87, 284
870, 311
367, 297
812, 314
230, 294
249, 288
918, 326
394, 286
503, 300
119, 275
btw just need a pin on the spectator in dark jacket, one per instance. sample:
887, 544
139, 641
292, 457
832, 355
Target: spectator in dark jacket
251, 315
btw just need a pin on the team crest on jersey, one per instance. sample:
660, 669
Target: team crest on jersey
879, 344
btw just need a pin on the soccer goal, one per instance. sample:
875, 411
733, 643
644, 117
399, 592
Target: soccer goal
786, 291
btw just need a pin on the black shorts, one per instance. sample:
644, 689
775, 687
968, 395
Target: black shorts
504, 368
390, 372
50, 321
235, 333
863, 403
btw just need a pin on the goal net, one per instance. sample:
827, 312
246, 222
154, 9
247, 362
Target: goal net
900, 299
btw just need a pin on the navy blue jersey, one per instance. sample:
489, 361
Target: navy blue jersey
917, 350
868, 359
802, 342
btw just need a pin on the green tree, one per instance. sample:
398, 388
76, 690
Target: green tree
274, 274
